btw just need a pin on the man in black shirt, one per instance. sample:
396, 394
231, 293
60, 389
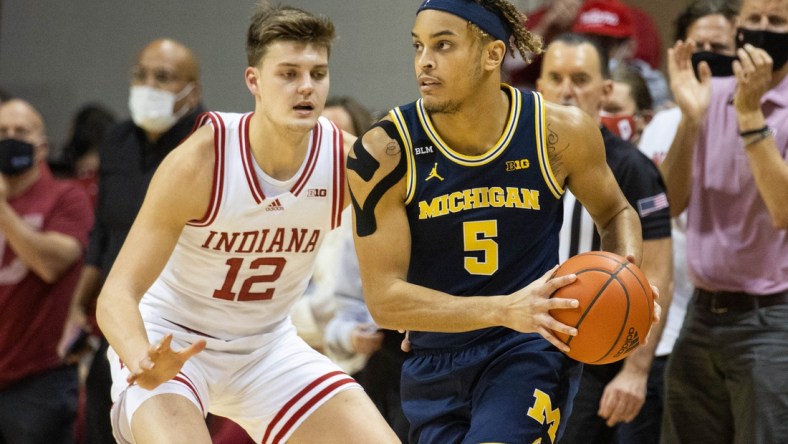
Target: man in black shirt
164, 101
574, 72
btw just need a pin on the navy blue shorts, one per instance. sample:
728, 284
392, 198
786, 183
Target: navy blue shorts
514, 389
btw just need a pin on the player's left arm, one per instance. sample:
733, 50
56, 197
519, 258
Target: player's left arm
179, 191
625, 395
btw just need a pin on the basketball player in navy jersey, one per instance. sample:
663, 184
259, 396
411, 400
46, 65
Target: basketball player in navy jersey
196, 307
457, 209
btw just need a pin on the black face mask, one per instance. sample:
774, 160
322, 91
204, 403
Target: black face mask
721, 65
775, 44
16, 156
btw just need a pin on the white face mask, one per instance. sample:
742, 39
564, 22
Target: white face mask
154, 109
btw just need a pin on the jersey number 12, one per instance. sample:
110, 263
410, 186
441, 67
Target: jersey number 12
246, 293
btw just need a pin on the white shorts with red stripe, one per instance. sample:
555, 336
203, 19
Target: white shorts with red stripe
268, 384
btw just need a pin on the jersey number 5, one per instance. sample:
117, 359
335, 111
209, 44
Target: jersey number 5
246, 293
479, 236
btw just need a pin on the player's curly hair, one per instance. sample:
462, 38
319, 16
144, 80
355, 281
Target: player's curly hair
527, 44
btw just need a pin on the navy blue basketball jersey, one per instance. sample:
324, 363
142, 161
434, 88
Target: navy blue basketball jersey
480, 225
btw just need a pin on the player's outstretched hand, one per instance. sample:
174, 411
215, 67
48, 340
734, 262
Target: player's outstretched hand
528, 309
162, 363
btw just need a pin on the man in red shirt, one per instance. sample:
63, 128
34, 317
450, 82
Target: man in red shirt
44, 225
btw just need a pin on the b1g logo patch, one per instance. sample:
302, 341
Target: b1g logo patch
514, 165
316, 192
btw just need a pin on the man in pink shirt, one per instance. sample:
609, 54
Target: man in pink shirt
727, 378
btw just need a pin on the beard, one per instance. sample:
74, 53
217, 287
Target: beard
453, 106
445, 107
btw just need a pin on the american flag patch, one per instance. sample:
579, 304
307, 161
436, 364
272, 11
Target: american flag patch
652, 204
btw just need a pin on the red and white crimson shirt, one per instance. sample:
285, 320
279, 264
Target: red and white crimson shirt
238, 271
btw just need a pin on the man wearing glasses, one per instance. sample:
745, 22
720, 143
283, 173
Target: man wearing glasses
164, 102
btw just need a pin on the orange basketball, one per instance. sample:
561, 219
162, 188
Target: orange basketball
616, 307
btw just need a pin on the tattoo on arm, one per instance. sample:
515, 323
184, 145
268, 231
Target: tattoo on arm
365, 166
392, 148
552, 148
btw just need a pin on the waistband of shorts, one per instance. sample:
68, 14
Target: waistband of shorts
720, 302
243, 344
486, 342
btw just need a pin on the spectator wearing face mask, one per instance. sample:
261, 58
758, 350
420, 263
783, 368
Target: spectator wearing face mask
710, 24
726, 378
44, 226
164, 101
629, 107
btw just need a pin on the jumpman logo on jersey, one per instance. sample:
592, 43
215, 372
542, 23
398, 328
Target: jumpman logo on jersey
434, 173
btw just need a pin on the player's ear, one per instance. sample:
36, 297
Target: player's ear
494, 54
251, 75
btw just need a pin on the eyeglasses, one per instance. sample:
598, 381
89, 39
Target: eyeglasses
160, 76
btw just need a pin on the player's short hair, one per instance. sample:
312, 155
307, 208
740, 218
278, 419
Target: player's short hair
271, 23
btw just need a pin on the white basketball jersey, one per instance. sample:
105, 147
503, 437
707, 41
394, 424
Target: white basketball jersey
237, 271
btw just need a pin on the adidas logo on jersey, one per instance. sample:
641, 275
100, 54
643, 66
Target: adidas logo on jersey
632, 341
275, 206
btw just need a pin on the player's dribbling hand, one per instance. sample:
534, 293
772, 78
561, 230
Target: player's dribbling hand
528, 309
162, 363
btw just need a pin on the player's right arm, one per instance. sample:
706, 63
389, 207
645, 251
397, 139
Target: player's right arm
179, 192
383, 239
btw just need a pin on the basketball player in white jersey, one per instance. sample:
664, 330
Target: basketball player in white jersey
196, 307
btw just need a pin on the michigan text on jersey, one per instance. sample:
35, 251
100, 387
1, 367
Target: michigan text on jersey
497, 197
